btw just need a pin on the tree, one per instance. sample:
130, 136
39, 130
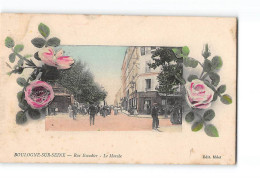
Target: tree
171, 74
80, 81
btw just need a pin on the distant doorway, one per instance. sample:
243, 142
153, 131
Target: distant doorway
147, 106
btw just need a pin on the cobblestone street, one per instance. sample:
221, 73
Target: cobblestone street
120, 122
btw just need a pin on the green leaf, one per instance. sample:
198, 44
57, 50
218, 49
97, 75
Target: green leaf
215, 78
12, 57
34, 74
44, 30
222, 89
208, 115
38, 42
208, 84
193, 63
192, 77
23, 105
30, 63
177, 52
18, 48
21, 117
20, 96
207, 65
185, 51
216, 63
215, 97
9, 42
21, 81
36, 56
20, 62
211, 130
190, 116
190, 62
226, 99
197, 126
54, 42
186, 62
34, 114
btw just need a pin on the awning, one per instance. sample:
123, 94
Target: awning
170, 95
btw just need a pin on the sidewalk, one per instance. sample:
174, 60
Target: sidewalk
143, 115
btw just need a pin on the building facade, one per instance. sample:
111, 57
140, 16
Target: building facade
62, 99
139, 82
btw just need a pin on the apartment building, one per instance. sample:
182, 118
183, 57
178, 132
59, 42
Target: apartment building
139, 82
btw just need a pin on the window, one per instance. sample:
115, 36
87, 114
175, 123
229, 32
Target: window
130, 102
153, 49
142, 51
134, 102
163, 101
148, 84
147, 68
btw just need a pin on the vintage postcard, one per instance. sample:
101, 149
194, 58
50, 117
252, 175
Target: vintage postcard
118, 89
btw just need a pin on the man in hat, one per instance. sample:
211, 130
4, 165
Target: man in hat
92, 113
154, 113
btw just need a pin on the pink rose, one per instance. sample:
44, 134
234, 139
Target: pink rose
39, 94
198, 94
48, 56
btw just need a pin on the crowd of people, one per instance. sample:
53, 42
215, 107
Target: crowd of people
91, 109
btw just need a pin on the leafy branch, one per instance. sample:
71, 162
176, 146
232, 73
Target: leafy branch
20, 66
201, 121
211, 79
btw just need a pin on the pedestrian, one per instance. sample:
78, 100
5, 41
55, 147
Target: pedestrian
172, 111
104, 111
92, 113
85, 110
70, 111
154, 113
98, 109
176, 114
74, 111
135, 112
115, 110
101, 110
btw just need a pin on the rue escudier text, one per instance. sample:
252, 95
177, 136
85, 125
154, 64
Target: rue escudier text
96, 156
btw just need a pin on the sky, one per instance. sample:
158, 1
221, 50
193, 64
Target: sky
104, 62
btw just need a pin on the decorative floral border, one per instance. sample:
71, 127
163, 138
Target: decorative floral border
37, 94
202, 91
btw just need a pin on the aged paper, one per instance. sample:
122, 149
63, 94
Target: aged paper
197, 117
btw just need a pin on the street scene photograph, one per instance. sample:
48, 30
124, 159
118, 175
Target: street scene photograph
117, 88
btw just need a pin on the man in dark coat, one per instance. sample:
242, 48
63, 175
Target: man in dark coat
154, 113
74, 111
92, 113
